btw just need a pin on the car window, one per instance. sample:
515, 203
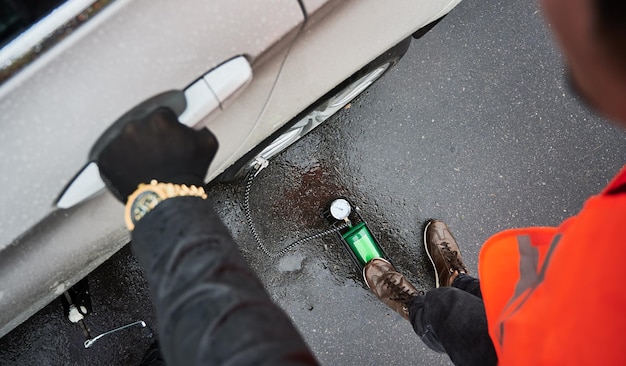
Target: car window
29, 28
17, 15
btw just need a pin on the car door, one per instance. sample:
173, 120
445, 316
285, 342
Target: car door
68, 76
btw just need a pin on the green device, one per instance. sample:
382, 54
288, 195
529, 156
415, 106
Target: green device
357, 237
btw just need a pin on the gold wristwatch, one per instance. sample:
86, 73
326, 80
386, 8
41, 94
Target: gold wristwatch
147, 196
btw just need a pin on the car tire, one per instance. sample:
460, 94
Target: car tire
318, 112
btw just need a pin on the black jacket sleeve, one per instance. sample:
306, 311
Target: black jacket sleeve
211, 307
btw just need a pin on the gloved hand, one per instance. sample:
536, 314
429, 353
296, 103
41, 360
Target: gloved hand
156, 146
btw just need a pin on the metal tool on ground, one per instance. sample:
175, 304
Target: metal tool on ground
76, 314
76, 302
91, 341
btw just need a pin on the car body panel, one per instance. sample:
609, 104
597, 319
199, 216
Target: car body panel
313, 6
101, 75
55, 108
202, 100
328, 50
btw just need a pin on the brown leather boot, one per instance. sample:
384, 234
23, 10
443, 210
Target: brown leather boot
443, 252
389, 286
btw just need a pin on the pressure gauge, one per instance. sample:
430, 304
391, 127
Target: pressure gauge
340, 209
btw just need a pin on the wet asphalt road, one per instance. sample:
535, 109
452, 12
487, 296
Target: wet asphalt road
474, 126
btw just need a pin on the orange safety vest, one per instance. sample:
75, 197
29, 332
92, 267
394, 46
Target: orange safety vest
556, 296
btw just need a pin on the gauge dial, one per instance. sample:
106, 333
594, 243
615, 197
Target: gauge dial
340, 209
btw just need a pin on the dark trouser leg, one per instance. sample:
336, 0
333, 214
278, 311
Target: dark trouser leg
468, 284
453, 321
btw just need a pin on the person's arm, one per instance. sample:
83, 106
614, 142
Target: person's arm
211, 307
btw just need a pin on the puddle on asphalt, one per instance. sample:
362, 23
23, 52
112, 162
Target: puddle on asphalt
291, 262
316, 187
307, 186
287, 200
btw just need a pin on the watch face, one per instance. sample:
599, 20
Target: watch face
145, 202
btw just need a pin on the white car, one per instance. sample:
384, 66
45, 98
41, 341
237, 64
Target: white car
258, 74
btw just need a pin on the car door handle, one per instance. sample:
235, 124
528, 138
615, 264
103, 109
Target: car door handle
203, 99
215, 90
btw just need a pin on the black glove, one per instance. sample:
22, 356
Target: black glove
155, 146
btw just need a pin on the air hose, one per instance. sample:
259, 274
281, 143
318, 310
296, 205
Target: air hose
259, 165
